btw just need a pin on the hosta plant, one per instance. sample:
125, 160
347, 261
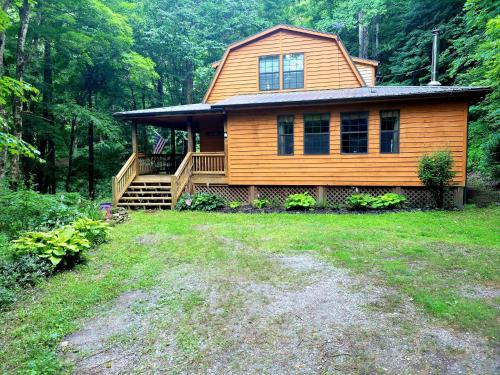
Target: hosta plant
359, 201
95, 231
388, 201
62, 247
261, 203
302, 201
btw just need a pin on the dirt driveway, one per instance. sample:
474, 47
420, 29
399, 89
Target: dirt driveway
304, 317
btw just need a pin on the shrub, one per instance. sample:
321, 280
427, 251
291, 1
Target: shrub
234, 205
302, 201
359, 201
260, 203
63, 247
95, 231
199, 202
26, 210
436, 172
26, 270
388, 201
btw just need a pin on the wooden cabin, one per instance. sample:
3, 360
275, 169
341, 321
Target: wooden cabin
289, 110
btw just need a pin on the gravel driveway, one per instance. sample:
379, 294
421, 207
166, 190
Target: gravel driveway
301, 316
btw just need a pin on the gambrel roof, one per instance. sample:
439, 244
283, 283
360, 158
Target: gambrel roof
272, 30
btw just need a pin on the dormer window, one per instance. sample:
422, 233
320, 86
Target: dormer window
293, 71
269, 73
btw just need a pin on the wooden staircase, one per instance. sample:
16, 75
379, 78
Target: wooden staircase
149, 192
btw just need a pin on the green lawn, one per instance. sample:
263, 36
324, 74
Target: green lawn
431, 257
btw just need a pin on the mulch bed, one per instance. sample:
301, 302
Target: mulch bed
252, 210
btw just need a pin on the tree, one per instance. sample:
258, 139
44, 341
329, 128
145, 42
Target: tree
436, 172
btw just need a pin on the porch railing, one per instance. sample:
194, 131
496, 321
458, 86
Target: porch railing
124, 178
209, 163
194, 163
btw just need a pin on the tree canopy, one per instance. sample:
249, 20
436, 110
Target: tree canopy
66, 66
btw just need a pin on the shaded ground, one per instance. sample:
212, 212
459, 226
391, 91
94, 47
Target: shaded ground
306, 318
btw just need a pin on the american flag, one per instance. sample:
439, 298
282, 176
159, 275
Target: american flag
158, 143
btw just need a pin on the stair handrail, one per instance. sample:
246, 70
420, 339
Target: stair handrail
181, 178
124, 178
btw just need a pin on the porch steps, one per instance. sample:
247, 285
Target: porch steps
148, 192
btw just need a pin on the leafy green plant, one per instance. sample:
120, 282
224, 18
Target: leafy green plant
302, 201
199, 202
63, 247
359, 201
261, 203
95, 231
388, 201
436, 172
234, 205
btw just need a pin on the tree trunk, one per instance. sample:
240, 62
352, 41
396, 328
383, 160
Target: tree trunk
91, 154
159, 89
3, 37
70, 154
376, 41
363, 36
24, 16
188, 83
50, 175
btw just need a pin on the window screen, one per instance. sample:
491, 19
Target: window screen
389, 132
317, 134
269, 73
285, 135
354, 132
293, 71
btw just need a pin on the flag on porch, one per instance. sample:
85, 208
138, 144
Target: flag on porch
158, 143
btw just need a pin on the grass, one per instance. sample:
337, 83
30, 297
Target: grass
427, 256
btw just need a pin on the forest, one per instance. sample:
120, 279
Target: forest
66, 66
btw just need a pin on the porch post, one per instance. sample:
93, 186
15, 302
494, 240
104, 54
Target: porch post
226, 166
190, 135
134, 137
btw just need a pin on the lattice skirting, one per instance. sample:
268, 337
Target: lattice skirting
334, 195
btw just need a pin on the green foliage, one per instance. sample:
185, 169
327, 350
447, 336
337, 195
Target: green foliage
26, 210
360, 201
95, 231
436, 172
388, 201
261, 203
199, 202
302, 201
234, 205
63, 247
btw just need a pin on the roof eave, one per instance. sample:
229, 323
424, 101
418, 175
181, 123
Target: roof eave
134, 115
473, 95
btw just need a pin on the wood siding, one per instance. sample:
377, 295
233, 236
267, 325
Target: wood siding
367, 72
425, 127
212, 137
325, 65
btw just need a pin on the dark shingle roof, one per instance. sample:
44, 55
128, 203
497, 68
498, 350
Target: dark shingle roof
365, 94
348, 95
186, 109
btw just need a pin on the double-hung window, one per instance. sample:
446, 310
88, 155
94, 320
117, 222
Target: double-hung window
389, 132
316, 133
285, 135
293, 71
269, 73
354, 132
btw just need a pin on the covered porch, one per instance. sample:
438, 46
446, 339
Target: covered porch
195, 151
